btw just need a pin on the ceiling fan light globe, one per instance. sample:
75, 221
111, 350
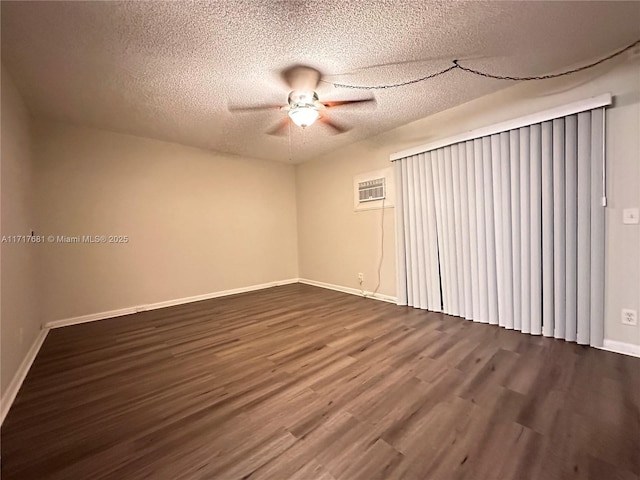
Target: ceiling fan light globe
304, 116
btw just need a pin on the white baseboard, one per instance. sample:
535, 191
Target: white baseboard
621, 347
168, 303
12, 390
92, 317
352, 291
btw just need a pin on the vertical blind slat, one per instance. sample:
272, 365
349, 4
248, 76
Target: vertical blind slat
405, 193
433, 282
401, 258
559, 239
405, 222
496, 181
443, 229
507, 254
584, 227
473, 231
465, 228
413, 235
536, 229
452, 270
547, 229
597, 230
514, 162
525, 228
439, 228
433, 255
422, 232
457, 212
571, 226
482, 239
490, 242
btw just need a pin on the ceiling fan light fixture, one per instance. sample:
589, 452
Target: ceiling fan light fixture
304, 115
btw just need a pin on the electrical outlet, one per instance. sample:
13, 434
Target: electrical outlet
361, 277
629, 317
630, 216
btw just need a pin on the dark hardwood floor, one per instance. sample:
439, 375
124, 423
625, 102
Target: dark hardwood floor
297, 382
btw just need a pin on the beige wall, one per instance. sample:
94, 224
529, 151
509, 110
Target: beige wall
19, 319
197, 221
336, 243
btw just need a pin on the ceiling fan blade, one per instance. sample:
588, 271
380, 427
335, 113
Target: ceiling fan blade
301, 77
340, 103
255, 108
334, 126
280, 129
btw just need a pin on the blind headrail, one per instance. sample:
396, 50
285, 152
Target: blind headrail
561, 111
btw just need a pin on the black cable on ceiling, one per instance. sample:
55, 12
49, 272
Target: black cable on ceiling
456, 65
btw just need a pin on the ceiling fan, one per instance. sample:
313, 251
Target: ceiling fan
303, 105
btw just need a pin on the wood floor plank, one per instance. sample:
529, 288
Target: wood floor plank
298, 382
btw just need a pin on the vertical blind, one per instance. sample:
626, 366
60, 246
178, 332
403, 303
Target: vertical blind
508, 229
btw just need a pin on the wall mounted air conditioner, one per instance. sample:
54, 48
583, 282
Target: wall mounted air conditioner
373, 190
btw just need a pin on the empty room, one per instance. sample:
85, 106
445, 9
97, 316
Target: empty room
320, 240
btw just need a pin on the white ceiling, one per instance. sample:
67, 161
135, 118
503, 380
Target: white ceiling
169, 70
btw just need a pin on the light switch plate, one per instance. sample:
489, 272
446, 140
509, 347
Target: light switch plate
631, 216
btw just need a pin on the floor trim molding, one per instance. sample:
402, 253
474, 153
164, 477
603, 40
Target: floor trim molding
352, 291
621, 347
16, 382
92, 317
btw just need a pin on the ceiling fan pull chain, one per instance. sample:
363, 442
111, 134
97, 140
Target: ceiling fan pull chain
289, 123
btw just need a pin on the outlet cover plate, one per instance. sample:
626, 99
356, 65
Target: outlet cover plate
631, 216
629, 317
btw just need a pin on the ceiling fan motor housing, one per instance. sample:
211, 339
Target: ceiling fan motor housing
302, 98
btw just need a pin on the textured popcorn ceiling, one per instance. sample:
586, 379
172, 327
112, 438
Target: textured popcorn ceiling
169, 70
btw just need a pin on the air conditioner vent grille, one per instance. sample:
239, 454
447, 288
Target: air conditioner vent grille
371, 190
